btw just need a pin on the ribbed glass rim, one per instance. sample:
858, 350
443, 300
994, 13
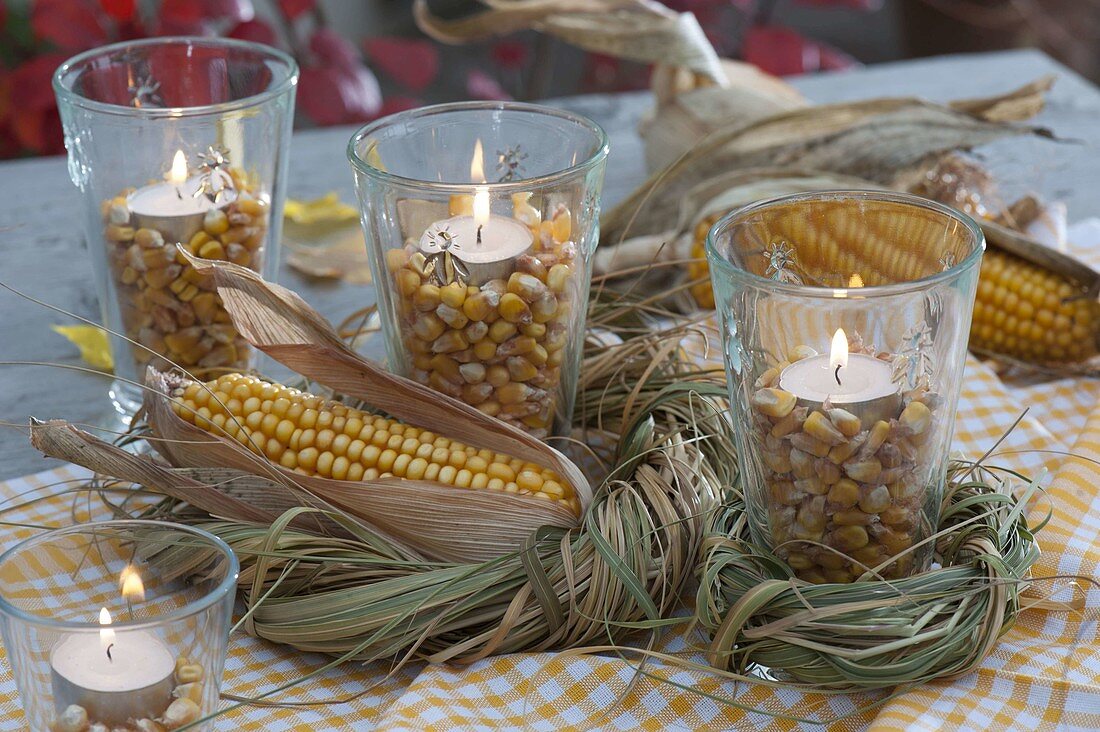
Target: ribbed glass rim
719, 262
227, 585
278, 86
363, 166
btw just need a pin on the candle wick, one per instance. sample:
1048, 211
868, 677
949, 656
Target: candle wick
479, 234
836, 375
109, 647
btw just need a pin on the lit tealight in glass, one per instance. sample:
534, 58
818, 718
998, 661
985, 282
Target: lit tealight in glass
117, 676
857, 382
486, 246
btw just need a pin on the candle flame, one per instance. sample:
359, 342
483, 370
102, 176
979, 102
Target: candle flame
855, 280
481, 195
838, 354
106, 633
178, 173
132, 586
477, 164
481, 206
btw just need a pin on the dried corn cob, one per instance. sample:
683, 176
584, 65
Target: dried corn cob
312, 436
1033, 314
1022, 310
699, 269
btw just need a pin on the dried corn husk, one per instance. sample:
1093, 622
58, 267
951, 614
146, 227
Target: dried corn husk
880, 140
668, 81
340, 256
689, 107
639, 30
67, 442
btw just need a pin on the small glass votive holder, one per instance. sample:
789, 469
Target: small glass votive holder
845, 318
176, 141
115, 622
480, 220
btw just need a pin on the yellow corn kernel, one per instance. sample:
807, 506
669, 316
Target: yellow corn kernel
513, 309
774, 402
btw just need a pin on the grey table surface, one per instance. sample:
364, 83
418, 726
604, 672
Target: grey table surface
42, 250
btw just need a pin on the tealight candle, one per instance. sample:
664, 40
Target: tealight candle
115, 676
861, 384
175, 207
486, 246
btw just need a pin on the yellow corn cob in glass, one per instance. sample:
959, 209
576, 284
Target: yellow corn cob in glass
312, 436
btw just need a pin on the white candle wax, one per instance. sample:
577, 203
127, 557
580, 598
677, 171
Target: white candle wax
175, 208
170, 199
135, 682
490, 256
815, 379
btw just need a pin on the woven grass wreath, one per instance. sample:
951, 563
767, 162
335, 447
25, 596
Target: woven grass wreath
874, 633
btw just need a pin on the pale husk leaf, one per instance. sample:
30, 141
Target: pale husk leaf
673, 128
63, 441
639, 30
1015, 106
879, 140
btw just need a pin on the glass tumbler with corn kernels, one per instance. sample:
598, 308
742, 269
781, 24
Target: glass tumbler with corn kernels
844, 319
179, 147
480, 221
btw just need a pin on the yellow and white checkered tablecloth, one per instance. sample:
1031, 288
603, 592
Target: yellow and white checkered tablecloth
1044, 673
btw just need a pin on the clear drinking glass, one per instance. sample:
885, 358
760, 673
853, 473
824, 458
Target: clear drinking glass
117, 621
480, 220
844, 317
176, 140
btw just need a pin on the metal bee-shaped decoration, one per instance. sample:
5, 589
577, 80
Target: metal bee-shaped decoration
912, 362
510, 163
214, 177
145, 92
781, 262
444, 267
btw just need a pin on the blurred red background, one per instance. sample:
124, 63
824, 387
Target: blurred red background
366, 59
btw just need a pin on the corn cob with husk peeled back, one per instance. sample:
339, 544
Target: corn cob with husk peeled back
1022, 310
1031, 314
317, 437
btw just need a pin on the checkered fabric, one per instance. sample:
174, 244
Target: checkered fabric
1044, 673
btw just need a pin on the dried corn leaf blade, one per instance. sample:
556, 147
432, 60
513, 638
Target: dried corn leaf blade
689, 117
340, 257
278, 322
434, 519
879, 140
1037, 253
632, 29
63, 441
1016, 106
